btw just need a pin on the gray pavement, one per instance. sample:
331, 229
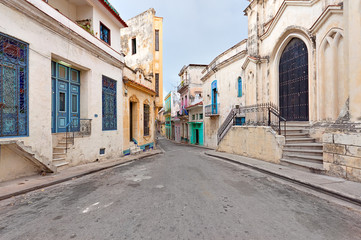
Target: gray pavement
181, 194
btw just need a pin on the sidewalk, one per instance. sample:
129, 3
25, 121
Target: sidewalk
336, 187
24, 185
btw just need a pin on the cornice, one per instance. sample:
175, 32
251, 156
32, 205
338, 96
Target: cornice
48, 22
253, 60
282, 9
224, 64
211, 65
138, 86
330, 10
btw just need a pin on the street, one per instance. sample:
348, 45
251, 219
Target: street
181, 194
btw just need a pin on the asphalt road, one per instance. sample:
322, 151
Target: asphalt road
181, 194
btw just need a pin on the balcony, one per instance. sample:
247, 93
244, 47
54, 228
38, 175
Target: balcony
212, 110
183, 84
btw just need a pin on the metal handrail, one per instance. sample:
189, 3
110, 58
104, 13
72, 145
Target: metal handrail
280, 118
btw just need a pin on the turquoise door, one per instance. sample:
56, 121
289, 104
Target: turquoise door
65, 98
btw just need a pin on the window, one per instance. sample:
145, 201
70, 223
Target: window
157, 40
240, 121
109, 102
13, 87
104, 33
239, 87
193, 117
146, 119
200, 116
157, 84
134, 46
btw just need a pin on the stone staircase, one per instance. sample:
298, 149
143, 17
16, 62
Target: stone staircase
59, 153
301, 151
134, 148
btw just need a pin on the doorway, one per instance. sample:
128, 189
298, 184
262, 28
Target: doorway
293, 81
65, 98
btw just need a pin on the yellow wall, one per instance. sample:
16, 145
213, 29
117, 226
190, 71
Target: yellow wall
158, 59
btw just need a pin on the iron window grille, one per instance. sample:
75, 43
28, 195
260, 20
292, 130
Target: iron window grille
14, 61
146, 119
109, 104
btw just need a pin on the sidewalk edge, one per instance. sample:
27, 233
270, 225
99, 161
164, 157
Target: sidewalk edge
336, 194
31, 189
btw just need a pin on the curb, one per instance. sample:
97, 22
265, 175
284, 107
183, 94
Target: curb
31, 189
330, 192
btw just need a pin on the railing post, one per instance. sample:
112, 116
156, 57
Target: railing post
269, 116
279, 126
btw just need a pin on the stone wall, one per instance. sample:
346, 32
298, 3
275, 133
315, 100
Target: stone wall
255, 142
342, 155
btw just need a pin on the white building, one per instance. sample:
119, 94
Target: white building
60, 71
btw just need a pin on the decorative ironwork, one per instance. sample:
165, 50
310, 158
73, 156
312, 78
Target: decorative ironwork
293, 86
109, 104
265, 114
85, 128
13, 87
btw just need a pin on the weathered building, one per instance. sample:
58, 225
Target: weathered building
190, 90
302, 66
142, 44
61, 75
195, 122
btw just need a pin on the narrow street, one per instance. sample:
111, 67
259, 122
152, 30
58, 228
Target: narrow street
181, 194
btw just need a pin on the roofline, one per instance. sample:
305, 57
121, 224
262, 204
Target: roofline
191, 65
113, 11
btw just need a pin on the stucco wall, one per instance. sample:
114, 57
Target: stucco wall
12, 164
254, 142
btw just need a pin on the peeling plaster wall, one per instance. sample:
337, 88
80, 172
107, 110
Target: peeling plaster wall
140, 27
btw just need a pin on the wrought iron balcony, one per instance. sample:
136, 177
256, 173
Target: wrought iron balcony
212, 110
183, 84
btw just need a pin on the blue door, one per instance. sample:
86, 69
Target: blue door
214, 97
65, 98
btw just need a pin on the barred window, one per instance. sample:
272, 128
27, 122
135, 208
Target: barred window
146, 119
14, 101
109, 102
104, 33
157, 40
157, 84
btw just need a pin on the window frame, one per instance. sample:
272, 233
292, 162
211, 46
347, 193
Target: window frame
239, 87
134, 45
157, 84
102, 25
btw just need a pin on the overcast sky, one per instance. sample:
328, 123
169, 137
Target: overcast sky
194, 31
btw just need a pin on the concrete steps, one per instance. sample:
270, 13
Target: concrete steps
59, 153
301, 151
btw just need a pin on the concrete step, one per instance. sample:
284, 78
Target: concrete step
303, 157
308, 152
303, 166
308, 146
58, 159
61, 165
297, 134
291, 131
299, 140
59, 155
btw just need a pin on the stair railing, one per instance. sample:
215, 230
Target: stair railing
272, 110
256, 115
228, 122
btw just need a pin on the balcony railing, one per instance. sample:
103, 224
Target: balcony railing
183, 84
212, 110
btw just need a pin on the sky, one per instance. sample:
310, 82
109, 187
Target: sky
194, 31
